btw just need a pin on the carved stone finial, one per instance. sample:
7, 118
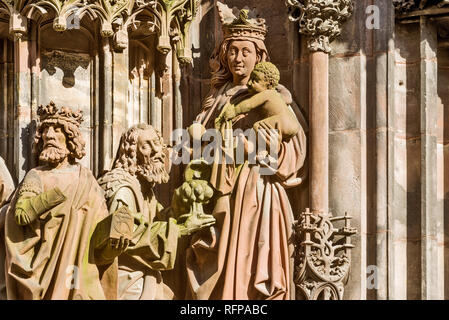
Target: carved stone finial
320, 20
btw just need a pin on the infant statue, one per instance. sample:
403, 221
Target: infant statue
269, 103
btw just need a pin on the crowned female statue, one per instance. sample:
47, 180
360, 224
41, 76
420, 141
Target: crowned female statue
248, 253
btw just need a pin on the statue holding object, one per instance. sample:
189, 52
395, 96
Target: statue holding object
247, 254
262, 84
50, 234
141, 163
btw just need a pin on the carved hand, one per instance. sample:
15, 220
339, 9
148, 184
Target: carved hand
142, 223
29, 209
118, 246
113, 249
228, 113
195, 223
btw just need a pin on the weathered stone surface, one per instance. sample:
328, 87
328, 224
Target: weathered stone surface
432, 216
279, 44
346, 170
139, 166
388, 116
347, 123
62, 199
66, 80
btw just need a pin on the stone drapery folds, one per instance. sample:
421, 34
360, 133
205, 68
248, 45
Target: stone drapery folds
320, 20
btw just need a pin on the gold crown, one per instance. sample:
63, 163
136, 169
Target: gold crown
51, 112
243, 26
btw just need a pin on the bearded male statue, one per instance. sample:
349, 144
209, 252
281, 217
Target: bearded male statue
140, 164
49, 231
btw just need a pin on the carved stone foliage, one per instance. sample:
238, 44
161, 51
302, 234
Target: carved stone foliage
320, 20
170, 19
403, 6
323, 256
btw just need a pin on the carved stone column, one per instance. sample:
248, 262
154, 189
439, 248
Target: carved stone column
319, 131
323, 257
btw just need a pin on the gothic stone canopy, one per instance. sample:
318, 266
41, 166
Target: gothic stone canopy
170, 19
403, 6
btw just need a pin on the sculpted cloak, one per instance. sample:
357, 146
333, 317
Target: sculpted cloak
248, 253
6, 189
156, 243
6, 183
54, 256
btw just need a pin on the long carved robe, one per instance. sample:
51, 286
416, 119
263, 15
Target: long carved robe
247, 254
6, 183
6, 189
155, 247
54, 256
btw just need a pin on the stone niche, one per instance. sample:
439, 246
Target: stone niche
143, 101
67, 74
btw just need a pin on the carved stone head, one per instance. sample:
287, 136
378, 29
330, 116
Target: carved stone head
242, 48
143, 153
264, 76
58, 135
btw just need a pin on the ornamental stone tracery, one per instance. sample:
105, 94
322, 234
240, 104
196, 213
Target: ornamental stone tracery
404, 6
170, 19
323, 256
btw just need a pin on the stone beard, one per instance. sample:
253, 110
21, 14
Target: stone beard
140, 165
153, 172
53, 154
51, 222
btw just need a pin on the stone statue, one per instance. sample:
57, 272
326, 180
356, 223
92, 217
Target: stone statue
262, 83
140, 164
6, 183
247, 254
6, 189
50, 225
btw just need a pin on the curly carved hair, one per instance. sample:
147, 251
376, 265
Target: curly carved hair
75, 142
270, 71
126, 157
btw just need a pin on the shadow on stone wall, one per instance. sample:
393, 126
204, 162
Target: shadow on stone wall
67, 62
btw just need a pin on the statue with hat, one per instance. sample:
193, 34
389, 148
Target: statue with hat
247, 253
52, 240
